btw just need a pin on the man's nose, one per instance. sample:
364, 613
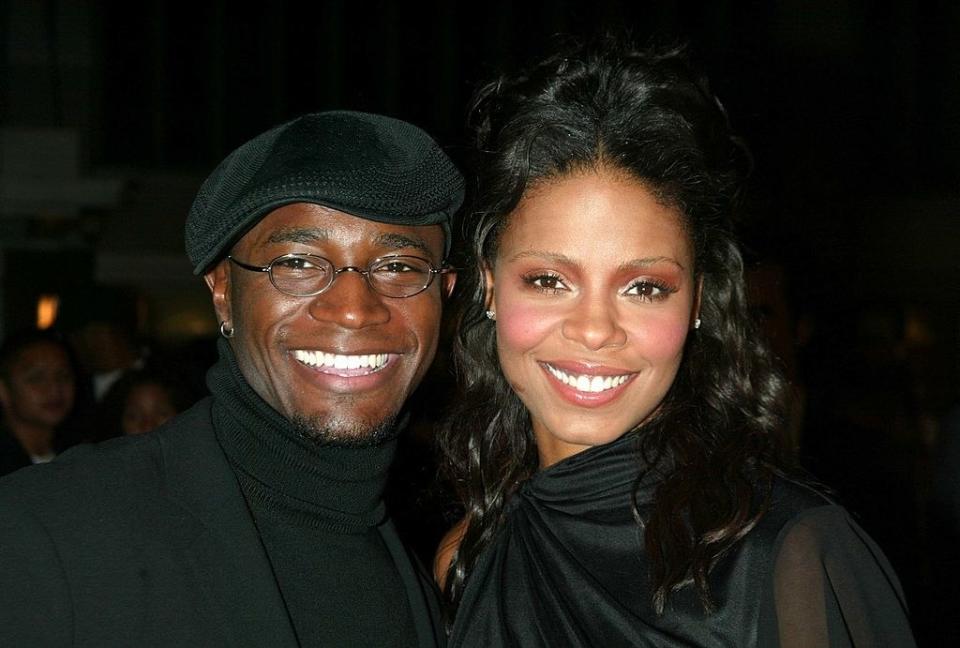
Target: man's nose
350, 302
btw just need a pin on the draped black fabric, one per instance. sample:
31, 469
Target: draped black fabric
568, 569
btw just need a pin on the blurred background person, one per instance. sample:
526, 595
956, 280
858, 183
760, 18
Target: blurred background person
38, 392
140, 401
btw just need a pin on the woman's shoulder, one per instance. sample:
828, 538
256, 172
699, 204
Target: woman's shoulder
827, 576
791, 500
446, 550
803, 523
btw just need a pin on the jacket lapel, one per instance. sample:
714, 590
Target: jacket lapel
420, 593
227, 556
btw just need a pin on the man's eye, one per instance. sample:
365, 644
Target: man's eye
401, 266
396, 266
296, 263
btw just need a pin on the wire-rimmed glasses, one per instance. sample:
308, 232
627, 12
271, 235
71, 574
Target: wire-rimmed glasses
307, 275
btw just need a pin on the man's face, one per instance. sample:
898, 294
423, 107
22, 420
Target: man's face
300, 353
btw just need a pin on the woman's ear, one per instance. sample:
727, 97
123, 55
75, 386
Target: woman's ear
218, 281
695, 311
487, 287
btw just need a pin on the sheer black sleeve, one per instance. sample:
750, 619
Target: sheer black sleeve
831, 586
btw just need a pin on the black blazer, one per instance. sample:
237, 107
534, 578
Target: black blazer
147, 541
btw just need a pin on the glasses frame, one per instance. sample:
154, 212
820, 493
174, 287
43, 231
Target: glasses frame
434, 271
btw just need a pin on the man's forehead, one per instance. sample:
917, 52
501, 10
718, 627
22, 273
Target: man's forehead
312, 235
312, 224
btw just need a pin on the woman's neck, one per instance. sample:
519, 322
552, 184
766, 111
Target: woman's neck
36, 440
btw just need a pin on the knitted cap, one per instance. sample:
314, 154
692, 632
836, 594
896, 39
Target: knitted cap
366, 165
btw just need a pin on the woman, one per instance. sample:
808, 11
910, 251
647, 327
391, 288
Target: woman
37, 394
140, 401
614, 442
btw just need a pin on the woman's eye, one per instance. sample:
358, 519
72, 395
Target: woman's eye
545, 282
648, 290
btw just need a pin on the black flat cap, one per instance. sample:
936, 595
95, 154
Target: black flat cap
370, 166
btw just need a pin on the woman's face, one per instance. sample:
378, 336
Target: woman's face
594, 295
39, 392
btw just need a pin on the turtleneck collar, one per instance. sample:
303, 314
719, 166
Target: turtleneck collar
304, 482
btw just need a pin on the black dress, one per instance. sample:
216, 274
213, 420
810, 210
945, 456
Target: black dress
568, 569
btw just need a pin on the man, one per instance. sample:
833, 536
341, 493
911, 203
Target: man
256, 518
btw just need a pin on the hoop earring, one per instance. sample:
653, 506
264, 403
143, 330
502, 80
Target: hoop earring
696, 324
492, 315
226, 331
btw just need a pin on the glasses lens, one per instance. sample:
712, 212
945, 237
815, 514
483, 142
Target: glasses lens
400, 276
301, 274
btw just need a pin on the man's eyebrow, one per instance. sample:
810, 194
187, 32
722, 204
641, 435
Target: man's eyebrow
319, 235
399, 241
299, 235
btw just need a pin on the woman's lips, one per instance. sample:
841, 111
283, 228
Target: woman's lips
585, 385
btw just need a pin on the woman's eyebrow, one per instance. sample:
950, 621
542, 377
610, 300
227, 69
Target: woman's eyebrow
646, 262
557, 257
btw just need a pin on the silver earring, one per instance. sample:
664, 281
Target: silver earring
696, 323
226, 331
492, 315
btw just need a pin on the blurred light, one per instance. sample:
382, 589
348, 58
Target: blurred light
47, 308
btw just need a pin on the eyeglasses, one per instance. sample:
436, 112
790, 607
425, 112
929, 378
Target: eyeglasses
306, 275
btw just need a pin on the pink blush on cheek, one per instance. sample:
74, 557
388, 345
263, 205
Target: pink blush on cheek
662, 339
521, 327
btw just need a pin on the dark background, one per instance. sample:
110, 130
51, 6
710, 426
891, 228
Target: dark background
851, 109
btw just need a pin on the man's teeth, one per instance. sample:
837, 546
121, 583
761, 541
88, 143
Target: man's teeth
373, 361
586, 383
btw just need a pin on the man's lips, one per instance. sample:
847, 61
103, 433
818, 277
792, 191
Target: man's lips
343, 364
588, 379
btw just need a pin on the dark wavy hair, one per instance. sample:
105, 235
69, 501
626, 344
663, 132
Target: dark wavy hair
650, 115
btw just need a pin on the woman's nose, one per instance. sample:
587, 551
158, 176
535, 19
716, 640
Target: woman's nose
594, 323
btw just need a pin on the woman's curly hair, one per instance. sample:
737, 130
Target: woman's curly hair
650, 115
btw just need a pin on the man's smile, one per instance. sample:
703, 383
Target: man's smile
342, 364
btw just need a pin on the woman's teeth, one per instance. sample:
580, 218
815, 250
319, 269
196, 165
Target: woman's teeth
586, 383
372, 361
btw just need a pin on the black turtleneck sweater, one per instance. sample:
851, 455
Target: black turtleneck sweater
317, 508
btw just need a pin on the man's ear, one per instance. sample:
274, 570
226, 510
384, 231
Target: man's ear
449, 281
218, 281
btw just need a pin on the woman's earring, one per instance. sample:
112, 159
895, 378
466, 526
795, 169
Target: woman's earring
696, 323
226, 331
492, 315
